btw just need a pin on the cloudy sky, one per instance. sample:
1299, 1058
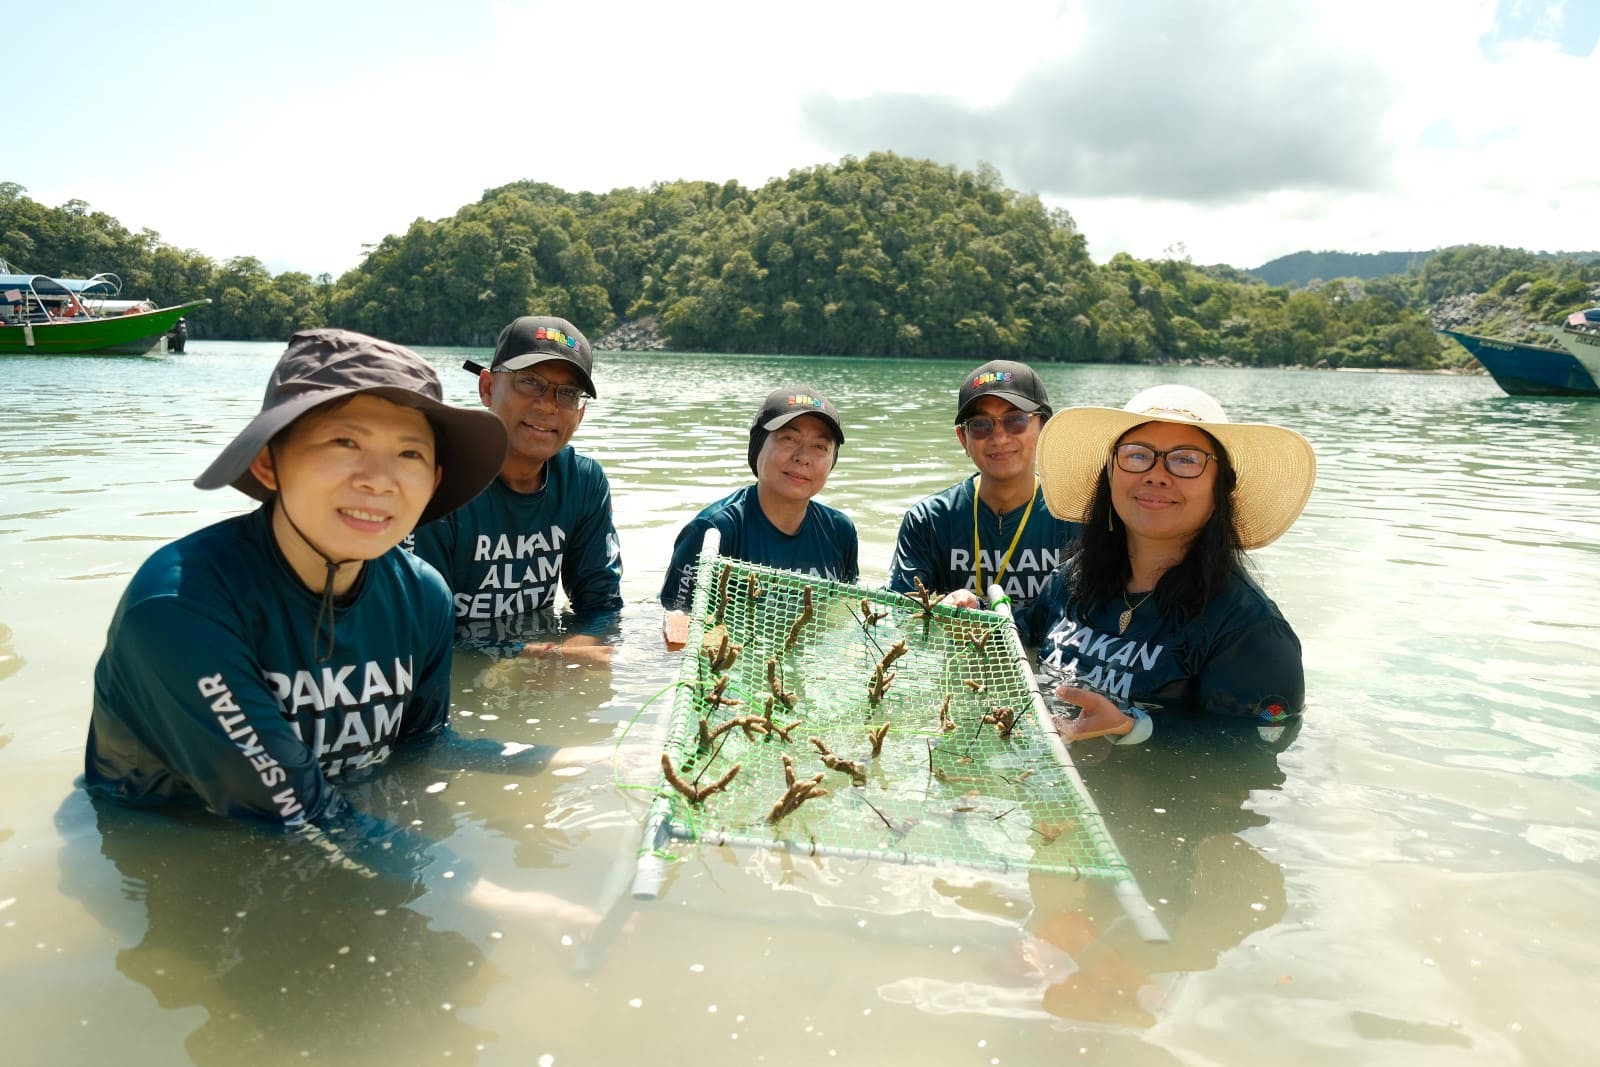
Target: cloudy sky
1232, 131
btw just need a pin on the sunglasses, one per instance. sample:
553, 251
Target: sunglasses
1015, 423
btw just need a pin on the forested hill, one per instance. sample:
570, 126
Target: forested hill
882, 255
1303, 268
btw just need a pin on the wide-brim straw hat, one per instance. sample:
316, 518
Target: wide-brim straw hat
1275, 467
327, 364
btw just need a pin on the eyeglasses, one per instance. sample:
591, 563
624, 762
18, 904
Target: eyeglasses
532, 385
1186, 461
981, 426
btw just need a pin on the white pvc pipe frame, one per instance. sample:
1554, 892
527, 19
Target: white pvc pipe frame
650, 871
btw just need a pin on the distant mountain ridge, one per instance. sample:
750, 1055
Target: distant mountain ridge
1301, 268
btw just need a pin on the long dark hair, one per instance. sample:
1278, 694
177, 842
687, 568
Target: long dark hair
1101, 571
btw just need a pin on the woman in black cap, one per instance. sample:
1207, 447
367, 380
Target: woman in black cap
794, 443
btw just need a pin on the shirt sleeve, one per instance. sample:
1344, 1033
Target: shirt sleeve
1035, 618
913, 554
1254, 673
197, 700
193, 704
852, 554
435, 544
591, 570
677, 591
428, 711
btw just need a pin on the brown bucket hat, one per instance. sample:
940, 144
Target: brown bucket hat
327, 364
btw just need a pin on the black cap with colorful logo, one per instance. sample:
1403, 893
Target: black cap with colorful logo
783, 406
533, 339
1013, 382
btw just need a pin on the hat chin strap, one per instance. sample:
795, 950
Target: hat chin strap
326, 610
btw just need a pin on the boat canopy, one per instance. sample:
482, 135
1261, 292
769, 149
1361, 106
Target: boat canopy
39, 285
42, 285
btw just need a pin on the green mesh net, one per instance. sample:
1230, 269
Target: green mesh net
837, 720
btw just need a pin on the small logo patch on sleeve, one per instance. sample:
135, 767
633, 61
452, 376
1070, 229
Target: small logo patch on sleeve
1272, 710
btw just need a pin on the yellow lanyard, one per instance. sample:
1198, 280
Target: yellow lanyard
977, 543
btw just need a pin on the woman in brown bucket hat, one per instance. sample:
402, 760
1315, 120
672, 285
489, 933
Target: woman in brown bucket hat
254, 663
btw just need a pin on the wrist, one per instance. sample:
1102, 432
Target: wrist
1143, 726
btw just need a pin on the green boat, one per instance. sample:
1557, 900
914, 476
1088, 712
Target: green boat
40, 315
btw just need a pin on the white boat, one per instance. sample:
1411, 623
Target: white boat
1580, 335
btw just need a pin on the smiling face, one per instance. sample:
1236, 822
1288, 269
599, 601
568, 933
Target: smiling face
1002, 456
538, 428
354, 477
1156, 505
795, 459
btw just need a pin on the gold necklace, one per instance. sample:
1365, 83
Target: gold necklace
1127, 616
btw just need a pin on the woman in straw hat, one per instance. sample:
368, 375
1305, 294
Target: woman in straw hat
252, 663
1155, 610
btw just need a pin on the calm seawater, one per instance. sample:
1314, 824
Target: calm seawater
1414, 881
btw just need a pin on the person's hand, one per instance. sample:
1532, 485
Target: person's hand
1099, 717
585, 648
533, 904
580, 648
632, 761
962, 598
675, 630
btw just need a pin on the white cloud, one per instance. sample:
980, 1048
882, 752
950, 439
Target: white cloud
1244, 129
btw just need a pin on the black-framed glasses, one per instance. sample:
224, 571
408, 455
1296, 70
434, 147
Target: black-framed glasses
1185, 461
534, 385
1015, 423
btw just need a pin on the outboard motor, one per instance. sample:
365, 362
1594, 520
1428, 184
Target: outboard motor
178, 336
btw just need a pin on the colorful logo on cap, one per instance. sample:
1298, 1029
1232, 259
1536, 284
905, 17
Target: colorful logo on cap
802, 400
1273, 711
992, 378
548, 333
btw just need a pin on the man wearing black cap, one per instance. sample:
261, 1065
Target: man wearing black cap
794, 443
992, 527
548, 515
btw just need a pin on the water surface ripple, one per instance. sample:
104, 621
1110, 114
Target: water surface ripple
1413, 881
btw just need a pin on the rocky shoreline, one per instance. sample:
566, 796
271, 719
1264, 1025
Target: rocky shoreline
641, 335
1496, 316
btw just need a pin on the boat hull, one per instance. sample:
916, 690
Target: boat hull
131, 335
1527, 370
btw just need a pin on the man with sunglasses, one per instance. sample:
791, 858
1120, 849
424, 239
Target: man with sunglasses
992, 527
547, 517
